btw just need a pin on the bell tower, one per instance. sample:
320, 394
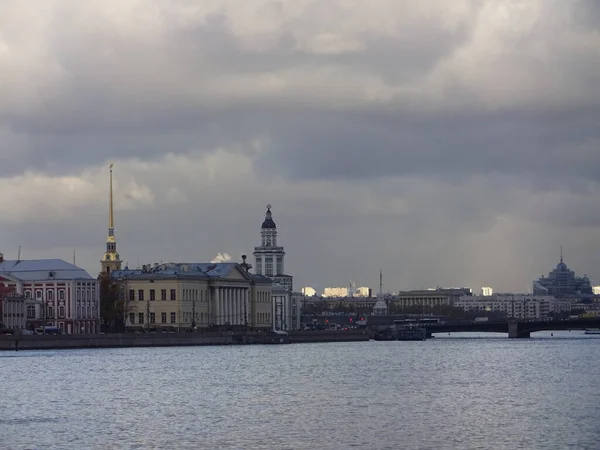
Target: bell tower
111, 259
269, 257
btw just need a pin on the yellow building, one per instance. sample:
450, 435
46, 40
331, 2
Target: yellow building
195, 295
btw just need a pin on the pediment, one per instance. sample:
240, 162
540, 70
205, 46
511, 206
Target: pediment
237, 273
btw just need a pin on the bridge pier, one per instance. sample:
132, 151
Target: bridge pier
513, 331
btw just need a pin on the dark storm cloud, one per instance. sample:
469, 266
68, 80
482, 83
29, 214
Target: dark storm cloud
389, 133
345, 145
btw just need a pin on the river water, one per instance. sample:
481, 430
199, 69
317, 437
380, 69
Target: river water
444, 393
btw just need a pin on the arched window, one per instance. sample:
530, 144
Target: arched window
61, 294
38, 294
50, 295
61, 312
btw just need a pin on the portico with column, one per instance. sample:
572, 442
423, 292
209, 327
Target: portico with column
231, 305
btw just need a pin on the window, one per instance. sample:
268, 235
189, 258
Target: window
152, 317
163, 294
38, 294
259, 266
50, 312
279, 265
140, 317
172, 294
61, 312
152, 295
132, 318
131, 296
269, 266
50, 295
163, 317
141, 295
61, 294
30, 312
173, 317
27, 294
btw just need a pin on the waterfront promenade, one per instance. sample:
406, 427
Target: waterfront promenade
114, 340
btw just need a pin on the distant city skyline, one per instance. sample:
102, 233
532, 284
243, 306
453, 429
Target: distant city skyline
437, 141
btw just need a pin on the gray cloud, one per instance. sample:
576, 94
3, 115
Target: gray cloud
419, 138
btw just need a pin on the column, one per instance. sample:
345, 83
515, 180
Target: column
240, 306
230, 301
229, 306
220, 309
241, 303
233, 308
225, 314
238, 318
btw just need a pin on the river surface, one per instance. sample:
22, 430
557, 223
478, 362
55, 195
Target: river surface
444, 393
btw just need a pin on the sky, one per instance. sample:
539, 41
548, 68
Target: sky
445, 143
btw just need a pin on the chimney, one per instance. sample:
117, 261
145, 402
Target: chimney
1, 257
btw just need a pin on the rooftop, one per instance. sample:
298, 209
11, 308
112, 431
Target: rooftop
186, 270
43, 269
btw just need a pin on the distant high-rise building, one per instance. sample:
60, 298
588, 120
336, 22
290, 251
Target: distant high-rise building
363, 292
308, 291
335, 292
596, 290
562, 282
487, 291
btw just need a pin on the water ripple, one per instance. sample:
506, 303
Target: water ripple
439, 394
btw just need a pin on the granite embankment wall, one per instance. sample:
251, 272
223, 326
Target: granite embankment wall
166, 339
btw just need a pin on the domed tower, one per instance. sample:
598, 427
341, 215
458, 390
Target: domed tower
269, 257
111, 260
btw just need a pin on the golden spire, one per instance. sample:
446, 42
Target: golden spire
111, 224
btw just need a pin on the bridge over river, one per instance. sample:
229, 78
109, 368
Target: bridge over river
515, 328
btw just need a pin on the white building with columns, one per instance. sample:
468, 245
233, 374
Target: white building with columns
195, 295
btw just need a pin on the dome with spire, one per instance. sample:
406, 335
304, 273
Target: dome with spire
268, 222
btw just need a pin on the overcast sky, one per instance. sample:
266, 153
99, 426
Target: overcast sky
449, 143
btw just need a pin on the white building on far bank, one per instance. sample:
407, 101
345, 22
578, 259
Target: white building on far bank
520, 306
487, 291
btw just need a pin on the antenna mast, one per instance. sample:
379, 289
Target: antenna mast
19, 254
380, 283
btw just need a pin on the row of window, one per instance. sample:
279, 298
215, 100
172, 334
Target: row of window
263, 297
269, 266
187, 317
152, 296
264, 317
163, 318
49, 294
61, 312
86, 295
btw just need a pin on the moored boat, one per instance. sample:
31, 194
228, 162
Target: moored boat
411, 333
592, 331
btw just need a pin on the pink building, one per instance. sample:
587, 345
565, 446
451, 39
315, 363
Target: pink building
66, 296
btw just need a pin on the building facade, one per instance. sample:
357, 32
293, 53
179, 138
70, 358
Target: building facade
287, 309
63, 295
562, 282
186, 296
420, 299
12, 309
518, 306
269, 257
